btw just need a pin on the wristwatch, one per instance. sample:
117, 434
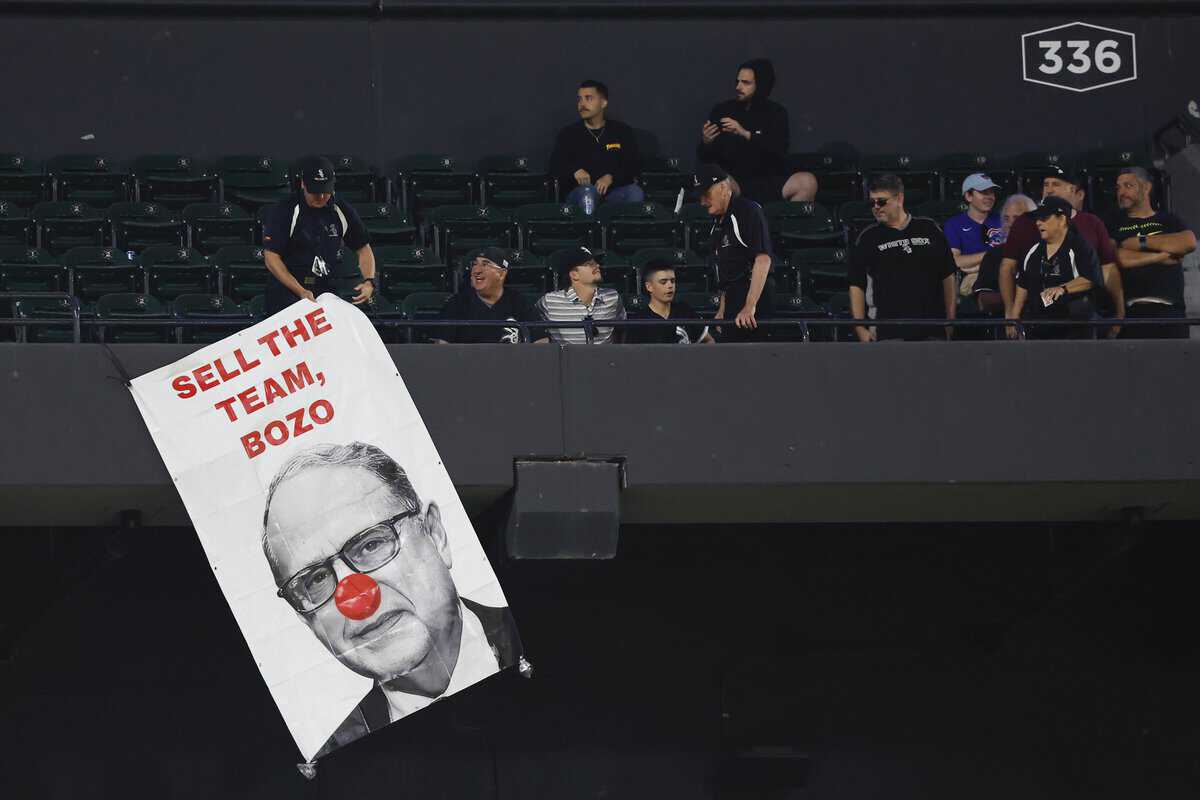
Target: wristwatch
371, 281
1141, 241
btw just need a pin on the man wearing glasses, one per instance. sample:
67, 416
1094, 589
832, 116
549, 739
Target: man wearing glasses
368, 570
910, 264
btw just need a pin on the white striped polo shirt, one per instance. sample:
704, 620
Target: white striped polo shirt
565, 306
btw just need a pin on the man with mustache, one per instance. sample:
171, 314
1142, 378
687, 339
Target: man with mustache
366, 566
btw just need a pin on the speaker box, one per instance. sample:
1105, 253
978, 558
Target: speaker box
565, 509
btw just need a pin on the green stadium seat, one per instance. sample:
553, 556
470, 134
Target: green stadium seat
459, 229
795, 225
253, 180
955, 167
662, 177
222, 317
63, 310
16, 227
381, 311
357, 181
430, 180
940, 210
61, 225
405, 269
241, 272
691, 271
212, 226
616, 273
704, 303
173, 180
794, 307
839, 180
386, 223
545, 227
698, 226
173, 271
855, 216
423, 305
138, 225
921, 181
629, 227
111, 309
507, 181
89, 178
820, 271
97, 271
23, 183
256, 307
31, 269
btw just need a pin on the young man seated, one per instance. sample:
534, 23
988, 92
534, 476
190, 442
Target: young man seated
658, 277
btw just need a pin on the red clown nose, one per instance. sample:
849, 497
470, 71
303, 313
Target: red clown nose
357, 596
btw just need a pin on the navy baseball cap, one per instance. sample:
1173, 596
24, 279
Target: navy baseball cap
318, 176
1052, 206
496, 255
705, 177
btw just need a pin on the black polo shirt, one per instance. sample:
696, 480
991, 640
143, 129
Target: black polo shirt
467, 305
1074, 258
1161, 281
681, 333
907, 267
310, 240
741, 236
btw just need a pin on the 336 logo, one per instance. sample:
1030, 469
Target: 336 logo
1079, 57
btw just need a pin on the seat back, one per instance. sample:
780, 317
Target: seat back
23, 182
89, 178
111, 308
242, 272
97, 271
16, 228
62, 225
509, 181
62, 310
543, 228
212, 226
173, 271
222, 316
138, 225
30, 269
173, 180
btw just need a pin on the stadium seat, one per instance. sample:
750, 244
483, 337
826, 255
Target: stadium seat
221, 315
856, 216
691, 271
615, 273
839, 180
111, 309
629, 227
507, 181
838, 306
403, 270
386, 223
661, 179
941, 210
457, 229
955, 167
61, 225
428, 181
256, 307
820, 271
794, 307
1032, 169
356, 181
703, 303
253, 180
173, 271
173, 180
1102, 168
422, 305
62, 310
795, 225
921, 181
89, 178
241, 273
15, 225
212, 226
22, 183
97, 271
382, 311
546, 227
138, 225
30, 269
698, 227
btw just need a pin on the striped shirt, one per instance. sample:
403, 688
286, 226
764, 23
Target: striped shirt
565, 306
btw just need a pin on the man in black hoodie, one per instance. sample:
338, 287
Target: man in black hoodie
748, 136
596, 157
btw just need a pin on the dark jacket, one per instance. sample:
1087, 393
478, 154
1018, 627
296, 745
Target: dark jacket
576, 148
372, 713
763, 154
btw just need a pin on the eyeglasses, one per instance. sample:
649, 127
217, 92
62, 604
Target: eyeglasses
879, 202
366, 551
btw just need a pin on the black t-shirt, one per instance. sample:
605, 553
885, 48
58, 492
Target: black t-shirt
309, 240
664, 334
1074, 258
741, 236
988, 279
1157, 280
907, 267
467, 305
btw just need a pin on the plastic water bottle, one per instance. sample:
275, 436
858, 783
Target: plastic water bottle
589, 203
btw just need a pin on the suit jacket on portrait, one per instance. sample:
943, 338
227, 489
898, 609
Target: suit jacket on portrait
372, 713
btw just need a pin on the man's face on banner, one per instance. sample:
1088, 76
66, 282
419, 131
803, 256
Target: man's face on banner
313, 514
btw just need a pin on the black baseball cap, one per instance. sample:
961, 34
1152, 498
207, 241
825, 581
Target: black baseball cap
1067, 174
563, 261
318, 176
1052, 206
705, 177
496, 255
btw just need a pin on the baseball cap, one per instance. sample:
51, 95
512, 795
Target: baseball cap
496, 255
1068, 175
1052, 206
563, 261
705, 177
978, 182
318, 176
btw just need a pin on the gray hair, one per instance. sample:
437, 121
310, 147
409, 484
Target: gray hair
355, 454
1138, 172
1025, 201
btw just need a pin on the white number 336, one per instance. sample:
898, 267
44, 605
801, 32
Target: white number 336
1107, 60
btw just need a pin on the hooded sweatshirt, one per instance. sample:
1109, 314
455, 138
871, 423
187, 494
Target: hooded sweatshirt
763, 154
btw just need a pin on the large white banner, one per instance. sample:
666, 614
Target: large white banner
329, 522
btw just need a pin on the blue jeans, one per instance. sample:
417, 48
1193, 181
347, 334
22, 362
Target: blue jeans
629, 193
